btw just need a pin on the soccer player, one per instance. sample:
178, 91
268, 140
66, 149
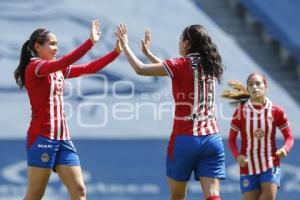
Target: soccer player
49, 146
256, 119
195, 144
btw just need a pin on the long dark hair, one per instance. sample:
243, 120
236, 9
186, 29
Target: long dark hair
28, 51
200, 42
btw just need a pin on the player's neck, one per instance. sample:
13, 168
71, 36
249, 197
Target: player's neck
258, 101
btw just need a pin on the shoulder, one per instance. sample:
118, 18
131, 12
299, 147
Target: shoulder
277, 108
34, 64
177, 61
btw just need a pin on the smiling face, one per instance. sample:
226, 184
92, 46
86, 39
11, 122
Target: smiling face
47, 50
257, 88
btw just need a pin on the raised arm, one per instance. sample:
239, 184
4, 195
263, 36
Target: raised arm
146, 48
49, 66
93, 66
139, 67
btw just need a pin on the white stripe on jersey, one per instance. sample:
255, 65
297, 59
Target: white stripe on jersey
262, 144
255, 143
58, 104
38, 68
203, 104
248, 117
51, 108
196, 100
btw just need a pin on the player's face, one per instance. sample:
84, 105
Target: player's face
256, 87
48, 50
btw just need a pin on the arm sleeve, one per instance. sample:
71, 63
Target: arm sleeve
234, 130
285, 129
46, 67
91, 67
232, 143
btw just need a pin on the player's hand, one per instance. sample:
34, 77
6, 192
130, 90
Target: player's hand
121, 33
242, 160
118, 46
146, 42
281, 153
95, 31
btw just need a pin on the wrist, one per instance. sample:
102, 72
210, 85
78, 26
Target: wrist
125, 47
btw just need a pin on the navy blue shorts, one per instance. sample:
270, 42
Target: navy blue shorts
46, 153
249, 183
203, 155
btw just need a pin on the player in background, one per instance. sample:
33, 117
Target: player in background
195, 144
49, 146
256, 119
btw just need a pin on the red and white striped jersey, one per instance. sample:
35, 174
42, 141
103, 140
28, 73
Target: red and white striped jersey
44, 81
257, 125
194, 96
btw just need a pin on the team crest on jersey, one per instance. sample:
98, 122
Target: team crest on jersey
259, 133
45, 157
245, 183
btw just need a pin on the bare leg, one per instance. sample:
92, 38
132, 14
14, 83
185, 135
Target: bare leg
73, 179
268, 191
210, 186
37, 182
177, 189
253, 195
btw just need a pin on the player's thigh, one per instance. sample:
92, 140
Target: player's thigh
71, 176
177, 188
210, 186
253, 195
268, 191
37, 179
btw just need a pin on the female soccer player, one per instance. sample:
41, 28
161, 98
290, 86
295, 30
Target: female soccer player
48, 139
256, 118
195, 144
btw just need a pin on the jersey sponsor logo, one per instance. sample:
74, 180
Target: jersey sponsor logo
45, 157
45, 146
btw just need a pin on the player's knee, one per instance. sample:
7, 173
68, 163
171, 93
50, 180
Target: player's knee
81, 190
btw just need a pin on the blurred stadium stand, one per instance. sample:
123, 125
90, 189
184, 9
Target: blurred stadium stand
268, 30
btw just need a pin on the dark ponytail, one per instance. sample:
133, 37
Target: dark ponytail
201, 43
28, 51
24, 60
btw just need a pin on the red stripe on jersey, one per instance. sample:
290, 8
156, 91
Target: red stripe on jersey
266, 139
252, 162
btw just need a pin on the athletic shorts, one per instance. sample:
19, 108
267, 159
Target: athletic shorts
250, 183
46, 153
203, 155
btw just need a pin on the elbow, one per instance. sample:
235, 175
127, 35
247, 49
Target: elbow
139, 70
